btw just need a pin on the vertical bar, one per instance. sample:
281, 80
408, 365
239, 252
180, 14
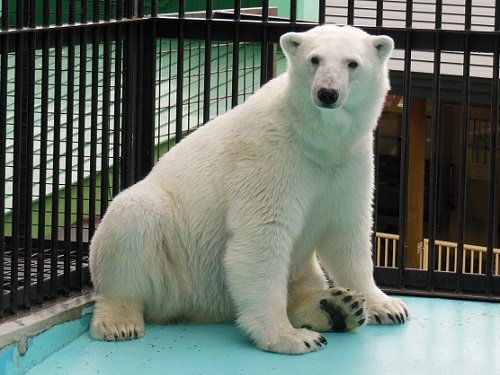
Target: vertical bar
43, 157
379, 20
68, 172
403, 199
56, 154
4, 48
146, 113
434, 147
117, 110
180, 76
208, 66
5, 16
131, 8
106, 97
492, 194
16, 183
95, 10
265, 75
92, 180
350, 12
322, 12
129, 107
82, 124
154, 8
18, 213
140, 8
207, 75
236, 54
293, 12
375, 193
72, 11
119, 9
107, 10
462, 177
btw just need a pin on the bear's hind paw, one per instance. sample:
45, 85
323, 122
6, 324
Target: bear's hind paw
109, 330
296, 341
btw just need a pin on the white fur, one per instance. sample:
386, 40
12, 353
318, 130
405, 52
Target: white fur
228, 223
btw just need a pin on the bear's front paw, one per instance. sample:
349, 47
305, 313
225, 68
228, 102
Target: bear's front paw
293, 341
389, 311
346, 309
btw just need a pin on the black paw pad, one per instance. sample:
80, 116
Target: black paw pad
337, 317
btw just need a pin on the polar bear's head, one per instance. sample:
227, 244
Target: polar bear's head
339, 66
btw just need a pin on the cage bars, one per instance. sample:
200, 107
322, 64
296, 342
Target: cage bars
106, 57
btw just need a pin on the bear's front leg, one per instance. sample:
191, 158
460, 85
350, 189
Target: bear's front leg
311, 304
347, 258
256, 266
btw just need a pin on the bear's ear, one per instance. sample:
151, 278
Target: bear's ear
290, 42
384, 46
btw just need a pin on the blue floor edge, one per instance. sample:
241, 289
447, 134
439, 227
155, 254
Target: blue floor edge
443, 337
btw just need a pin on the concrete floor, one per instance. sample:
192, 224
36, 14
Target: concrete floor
442, 337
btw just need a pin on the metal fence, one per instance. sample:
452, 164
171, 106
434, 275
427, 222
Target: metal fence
93, 92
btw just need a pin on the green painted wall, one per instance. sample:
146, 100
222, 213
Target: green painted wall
305, 12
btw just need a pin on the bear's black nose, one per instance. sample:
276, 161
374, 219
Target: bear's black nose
328, 97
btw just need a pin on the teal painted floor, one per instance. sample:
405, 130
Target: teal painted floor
443, 337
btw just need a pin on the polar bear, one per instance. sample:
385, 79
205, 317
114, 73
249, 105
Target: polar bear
234, 222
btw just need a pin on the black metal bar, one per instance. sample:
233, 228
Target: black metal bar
209, 9
68, 172
350, 12
146, 112
293, 11
106, 98
322, 12
462, 174
492, 189
28, 135
4, 46
107, 10
182, 9
403, 190
154, 8
119, 9
140, 8
17, 215
236, 54
264, 53
130, 8
434, 151
129, 107
96, 10
207, 76
117, 111
82, 125
5, 16
376, 165
379, 18
72, 12
180, 76
42, 194
94, 119
56, 162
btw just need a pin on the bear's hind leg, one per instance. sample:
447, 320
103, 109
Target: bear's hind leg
311, 305
116, 319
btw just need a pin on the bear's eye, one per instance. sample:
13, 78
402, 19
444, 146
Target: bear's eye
314, 60
352, 64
